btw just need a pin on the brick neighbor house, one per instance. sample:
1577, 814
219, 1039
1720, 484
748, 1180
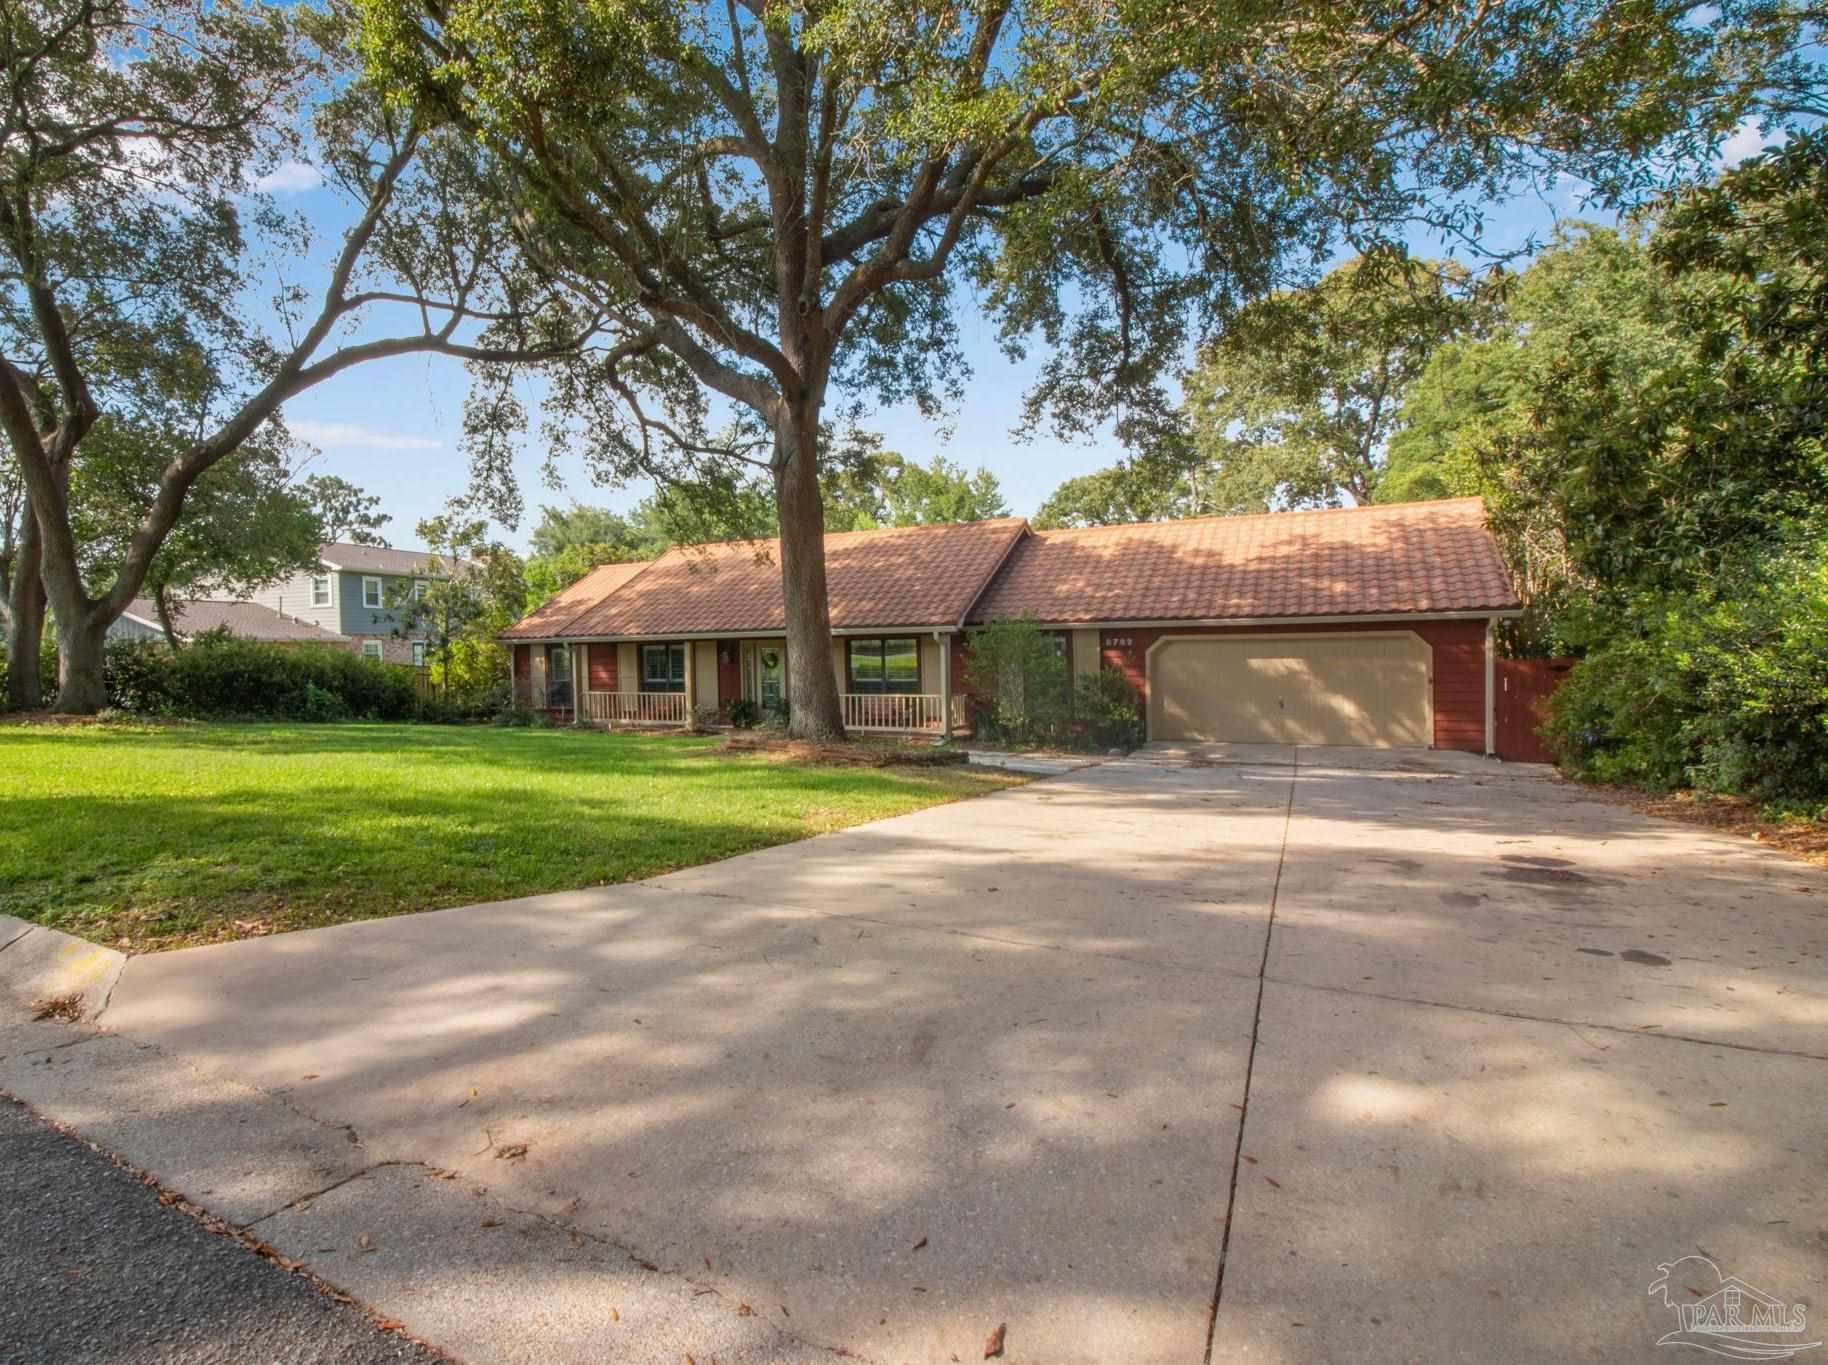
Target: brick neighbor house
1366, 626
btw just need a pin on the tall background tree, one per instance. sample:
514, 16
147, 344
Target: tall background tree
773, 203
1294, 404
474, 589
870, 489
246, 524
134, 139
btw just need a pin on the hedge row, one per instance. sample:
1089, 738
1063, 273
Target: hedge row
221, 677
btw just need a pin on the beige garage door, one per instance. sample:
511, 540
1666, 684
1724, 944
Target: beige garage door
1292, 689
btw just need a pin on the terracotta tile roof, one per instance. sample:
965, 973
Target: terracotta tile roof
920, 576
546, 620
249, 620
1422, 557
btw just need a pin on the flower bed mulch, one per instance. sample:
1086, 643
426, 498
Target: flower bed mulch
1805, 839
853, 754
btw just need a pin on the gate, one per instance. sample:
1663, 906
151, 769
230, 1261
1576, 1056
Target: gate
1524, 686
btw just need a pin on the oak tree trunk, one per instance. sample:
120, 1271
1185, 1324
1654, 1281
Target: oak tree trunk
82, 689
25, 619
814, 711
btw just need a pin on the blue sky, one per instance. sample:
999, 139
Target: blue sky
395, 427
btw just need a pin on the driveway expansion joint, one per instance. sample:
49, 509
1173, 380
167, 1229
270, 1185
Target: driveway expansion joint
49, 1047
1492, 1012
1250, 1061
113, 986
310, 1195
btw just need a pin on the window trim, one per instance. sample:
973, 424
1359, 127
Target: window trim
559, 681
419, 653
882, 687
645, 683
380, 592
421, 586
375, 650
329, 582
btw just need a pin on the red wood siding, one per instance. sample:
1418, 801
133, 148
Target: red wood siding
602, 667
523, 675
1458, 672
730, 671
1524, 688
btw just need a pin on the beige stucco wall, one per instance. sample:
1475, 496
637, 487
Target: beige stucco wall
1085, 652
704, 674
929, 664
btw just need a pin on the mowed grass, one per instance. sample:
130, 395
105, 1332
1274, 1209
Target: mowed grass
160, 837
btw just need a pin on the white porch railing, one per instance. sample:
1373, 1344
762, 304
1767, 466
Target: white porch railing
891, 711
650, 708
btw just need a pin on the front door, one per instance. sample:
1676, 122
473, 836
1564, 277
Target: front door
765, 673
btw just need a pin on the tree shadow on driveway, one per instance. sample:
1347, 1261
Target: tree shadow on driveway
986, 1063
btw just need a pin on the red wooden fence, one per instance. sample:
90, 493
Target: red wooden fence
1523, 687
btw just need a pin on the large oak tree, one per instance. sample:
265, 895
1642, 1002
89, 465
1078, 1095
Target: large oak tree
780, 204
147, 281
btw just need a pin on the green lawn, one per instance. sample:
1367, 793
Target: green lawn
160, 837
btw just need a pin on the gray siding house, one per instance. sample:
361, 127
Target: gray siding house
358, 592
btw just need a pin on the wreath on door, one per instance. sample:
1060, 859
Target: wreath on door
770, 659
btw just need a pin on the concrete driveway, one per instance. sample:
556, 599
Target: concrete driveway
1390, 1056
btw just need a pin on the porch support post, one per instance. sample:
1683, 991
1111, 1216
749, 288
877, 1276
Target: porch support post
945, 684
691, 681
1491, 695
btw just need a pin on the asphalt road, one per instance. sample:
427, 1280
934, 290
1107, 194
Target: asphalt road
93, 1268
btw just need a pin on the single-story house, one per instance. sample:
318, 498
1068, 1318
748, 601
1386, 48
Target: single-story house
1367, 626
195, 616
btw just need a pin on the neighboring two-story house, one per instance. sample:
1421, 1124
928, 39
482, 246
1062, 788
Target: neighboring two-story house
362, 593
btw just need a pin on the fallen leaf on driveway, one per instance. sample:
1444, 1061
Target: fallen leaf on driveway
614, 1316
1274, 1183
491, 1222
362, 1241
68, 1008
921, 1243
994, 1345
510, 1150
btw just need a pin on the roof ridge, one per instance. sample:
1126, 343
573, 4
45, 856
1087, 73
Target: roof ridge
925, 526
1233, 517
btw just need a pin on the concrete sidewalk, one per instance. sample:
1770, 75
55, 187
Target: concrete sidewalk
1497, 1052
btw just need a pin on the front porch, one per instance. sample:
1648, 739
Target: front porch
887, 684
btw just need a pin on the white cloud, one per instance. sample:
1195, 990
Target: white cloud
290, 177
1746, 141
329, 435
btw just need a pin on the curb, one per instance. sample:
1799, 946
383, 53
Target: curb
39, 964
